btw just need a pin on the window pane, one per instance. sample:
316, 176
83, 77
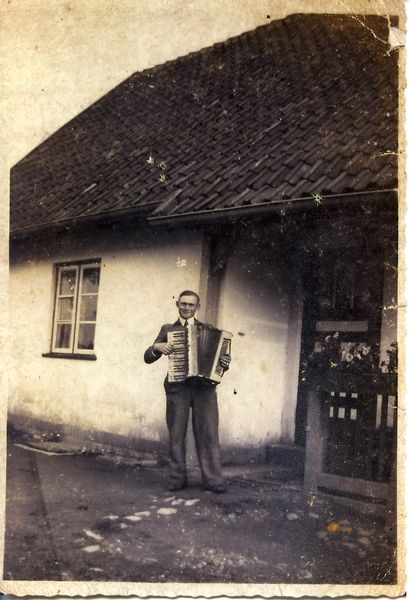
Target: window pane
88, 310
65, 309
67, 283
76, 307
86, 336
63, 335
90, 280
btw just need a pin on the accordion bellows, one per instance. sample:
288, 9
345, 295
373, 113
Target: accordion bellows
197, 351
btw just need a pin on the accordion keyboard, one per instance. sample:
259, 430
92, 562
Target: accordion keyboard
178, 359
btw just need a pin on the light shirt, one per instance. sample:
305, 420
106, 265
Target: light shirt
190, 321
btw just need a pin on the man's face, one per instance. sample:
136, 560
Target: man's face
187, 306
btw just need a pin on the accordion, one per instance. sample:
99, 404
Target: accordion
197, 351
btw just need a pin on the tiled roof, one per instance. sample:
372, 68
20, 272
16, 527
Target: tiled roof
302, 106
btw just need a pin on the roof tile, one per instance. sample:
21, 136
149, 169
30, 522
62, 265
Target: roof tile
301, 105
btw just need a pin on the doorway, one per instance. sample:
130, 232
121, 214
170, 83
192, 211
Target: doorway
341, 328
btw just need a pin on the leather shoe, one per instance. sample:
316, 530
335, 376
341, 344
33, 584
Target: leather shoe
176, 487
217, 489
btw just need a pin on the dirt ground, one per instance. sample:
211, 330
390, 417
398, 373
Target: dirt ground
86, 518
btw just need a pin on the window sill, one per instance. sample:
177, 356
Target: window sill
71, 356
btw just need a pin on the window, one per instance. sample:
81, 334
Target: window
75, 310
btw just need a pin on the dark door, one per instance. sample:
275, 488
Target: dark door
342, 319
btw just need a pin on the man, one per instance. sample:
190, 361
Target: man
198, 394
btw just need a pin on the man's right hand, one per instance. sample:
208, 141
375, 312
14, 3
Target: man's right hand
163, 348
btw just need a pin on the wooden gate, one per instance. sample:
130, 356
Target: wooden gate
351, 435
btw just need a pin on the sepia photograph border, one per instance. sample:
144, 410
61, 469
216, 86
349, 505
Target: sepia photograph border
40, 94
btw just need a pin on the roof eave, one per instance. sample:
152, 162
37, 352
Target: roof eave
219, 215
107, 217
275, 206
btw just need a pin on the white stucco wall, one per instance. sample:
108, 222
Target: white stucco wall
141, 277
255, 308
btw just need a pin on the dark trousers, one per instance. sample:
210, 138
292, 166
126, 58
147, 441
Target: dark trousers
205, 420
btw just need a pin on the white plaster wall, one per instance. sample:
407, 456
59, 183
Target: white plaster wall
141, 277
255, 308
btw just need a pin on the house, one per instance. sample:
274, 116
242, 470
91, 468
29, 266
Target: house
261, 172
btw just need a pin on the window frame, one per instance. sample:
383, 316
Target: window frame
73, 351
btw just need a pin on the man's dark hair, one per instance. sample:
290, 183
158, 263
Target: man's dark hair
189, 293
